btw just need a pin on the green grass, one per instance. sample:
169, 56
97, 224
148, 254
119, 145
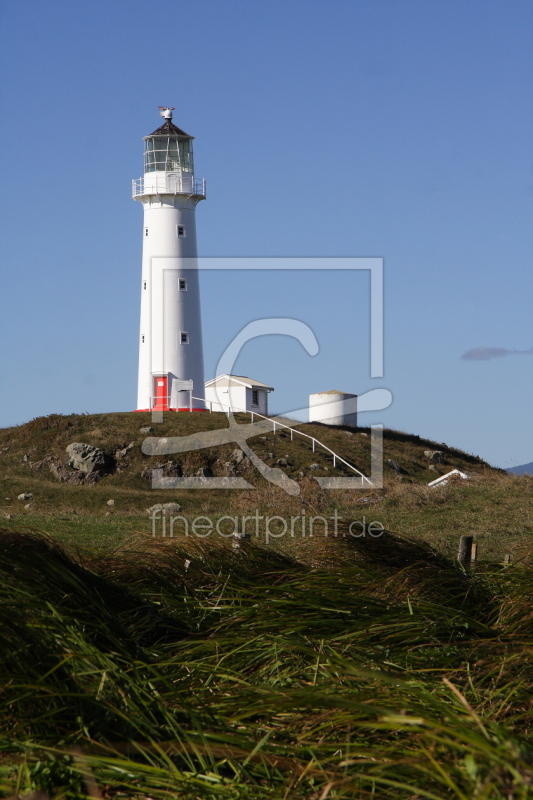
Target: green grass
302, 667
387, 672
495, 507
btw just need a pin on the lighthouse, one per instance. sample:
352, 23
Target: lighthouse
171, 369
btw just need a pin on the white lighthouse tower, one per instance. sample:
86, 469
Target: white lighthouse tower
170, 342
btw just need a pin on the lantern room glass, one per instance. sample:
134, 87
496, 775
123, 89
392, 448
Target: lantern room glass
168, 154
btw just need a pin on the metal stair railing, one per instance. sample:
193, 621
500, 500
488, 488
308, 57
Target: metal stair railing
276, 423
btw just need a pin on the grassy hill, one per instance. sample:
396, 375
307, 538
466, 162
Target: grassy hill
303, 668
494, 506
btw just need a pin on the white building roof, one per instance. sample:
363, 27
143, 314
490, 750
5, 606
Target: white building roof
442, 480
238, 380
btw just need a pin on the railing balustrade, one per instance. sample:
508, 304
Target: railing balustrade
169, 184
277, 423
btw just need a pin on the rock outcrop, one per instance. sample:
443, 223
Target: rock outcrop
66, 475
437, 456
86, 458
169, 470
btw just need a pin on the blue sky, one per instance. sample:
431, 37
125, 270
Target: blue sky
401, 130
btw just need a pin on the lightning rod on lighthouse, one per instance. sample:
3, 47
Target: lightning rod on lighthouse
170, 341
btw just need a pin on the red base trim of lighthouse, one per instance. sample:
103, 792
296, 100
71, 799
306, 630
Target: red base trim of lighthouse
142, 410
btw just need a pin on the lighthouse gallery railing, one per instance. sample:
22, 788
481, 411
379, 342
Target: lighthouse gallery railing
169, 184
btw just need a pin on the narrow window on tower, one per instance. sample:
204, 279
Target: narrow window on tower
144, 285
184, 337
255, 397
142, 339
180, 231
182, 285
146, 231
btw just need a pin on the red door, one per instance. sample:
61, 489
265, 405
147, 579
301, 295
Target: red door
161, 393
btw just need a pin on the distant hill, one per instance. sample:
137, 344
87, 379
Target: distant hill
523, 469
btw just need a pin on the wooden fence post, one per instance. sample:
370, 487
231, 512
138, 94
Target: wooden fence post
464, 556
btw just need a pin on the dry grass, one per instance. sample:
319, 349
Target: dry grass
494, 506
245, 674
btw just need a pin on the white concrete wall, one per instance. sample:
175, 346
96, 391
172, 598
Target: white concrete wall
232, 396
239, 397
333, 408
262, 401
165, 311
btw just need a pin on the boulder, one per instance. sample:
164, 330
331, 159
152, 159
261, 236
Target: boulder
25, 496
164, 509
29, 506
76, 478
315, 466
110, 503
237, 456
85, 457
146, 430
125, 450
434, 455
394, 464
204, 472
170, 470
66, 475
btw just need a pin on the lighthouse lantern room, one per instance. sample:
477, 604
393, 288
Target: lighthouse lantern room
170, 341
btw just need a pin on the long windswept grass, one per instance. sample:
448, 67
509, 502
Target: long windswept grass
189, 669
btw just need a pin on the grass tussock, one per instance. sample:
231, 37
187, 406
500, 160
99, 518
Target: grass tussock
191, 669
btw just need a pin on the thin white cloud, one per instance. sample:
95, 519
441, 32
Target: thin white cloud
484, 353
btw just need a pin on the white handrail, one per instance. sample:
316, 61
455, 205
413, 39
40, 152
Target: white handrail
288, 427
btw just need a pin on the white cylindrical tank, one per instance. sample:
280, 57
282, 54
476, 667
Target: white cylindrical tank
170, 338
333, 408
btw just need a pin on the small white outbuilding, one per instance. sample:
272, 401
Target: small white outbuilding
333, 408
238, 393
